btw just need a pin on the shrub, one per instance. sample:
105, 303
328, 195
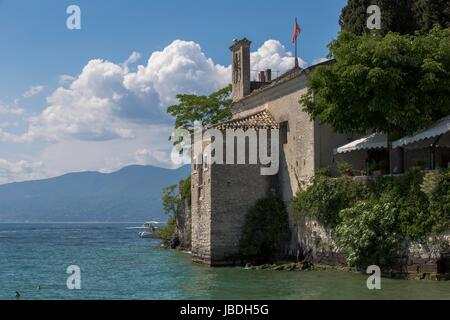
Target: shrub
344, 168
325, 197
439, 199
265, 231
368, 221
166, 233
412, 204
368, 234
324, 172
172, 201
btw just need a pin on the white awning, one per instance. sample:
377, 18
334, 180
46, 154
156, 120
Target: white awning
373, 141
439, 128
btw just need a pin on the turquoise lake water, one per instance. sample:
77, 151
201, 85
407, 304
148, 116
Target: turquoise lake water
116, 264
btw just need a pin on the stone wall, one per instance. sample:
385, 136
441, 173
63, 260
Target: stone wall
217, 225
431, 256
235, 188
317, 246
201, 214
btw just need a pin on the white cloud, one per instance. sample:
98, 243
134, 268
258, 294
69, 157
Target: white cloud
106, 156
33, 91
11, 109
108, 116
134, 57
65, 79
106, 99
8, 137
8, 124
273, 55
18, 171
181, 67
146, 156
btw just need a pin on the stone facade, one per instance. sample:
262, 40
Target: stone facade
222, 194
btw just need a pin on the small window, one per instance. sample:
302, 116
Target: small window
205, 162
200, 176
284, 130
195, 165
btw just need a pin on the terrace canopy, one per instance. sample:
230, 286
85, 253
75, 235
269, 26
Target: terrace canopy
435, 138
436, 135
374, 141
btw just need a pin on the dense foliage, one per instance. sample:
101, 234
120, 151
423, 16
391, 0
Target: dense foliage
265, 230
172, 198
207, 110
326, 197
185, 190
166, 233
401, 16
395, 84
370, 221
368, 234
430, 12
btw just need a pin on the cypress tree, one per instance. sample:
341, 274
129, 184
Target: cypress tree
401, 16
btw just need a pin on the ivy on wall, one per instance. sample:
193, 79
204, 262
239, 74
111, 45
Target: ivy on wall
265, 231
369, 221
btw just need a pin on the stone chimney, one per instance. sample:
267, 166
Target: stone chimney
268, 75
262, 76
240, 68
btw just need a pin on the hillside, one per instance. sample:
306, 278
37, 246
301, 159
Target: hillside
130, 194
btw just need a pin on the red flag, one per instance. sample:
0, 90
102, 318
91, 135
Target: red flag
296, 32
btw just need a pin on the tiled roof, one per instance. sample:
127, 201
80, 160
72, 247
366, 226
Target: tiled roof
259, 120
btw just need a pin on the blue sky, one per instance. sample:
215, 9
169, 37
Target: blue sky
88, 121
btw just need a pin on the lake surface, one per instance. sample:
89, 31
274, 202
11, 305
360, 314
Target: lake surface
116, 264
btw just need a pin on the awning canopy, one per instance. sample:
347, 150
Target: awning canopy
441, 127
373, 141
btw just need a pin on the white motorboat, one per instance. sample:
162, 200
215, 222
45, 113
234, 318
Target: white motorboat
147, 229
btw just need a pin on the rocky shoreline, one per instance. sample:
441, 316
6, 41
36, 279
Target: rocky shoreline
305, 266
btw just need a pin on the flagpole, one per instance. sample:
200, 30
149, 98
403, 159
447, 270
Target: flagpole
296, 60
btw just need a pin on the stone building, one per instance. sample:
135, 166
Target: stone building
222, 193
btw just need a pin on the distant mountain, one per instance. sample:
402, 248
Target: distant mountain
131, 194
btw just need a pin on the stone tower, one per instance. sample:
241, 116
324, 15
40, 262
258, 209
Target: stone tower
240, 68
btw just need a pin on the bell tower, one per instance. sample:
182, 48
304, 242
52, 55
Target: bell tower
240, 68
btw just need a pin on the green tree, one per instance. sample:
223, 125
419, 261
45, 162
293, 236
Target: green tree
354, 16
429, 12
172, 200
207, 110
369, 234
401, 16
396, 16
395, 84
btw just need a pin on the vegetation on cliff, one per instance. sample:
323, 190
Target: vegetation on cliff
172, 200
370, 221
265, 231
